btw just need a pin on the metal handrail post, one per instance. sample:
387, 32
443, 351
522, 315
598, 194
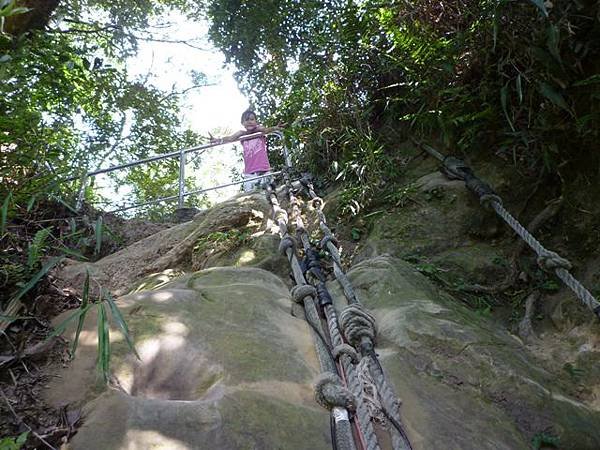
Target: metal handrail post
181, 177
286, 154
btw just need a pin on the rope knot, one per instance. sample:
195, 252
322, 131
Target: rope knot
300, 291
281, 215
550, 261
356, 324
329, 392
317, 202
345, 349
486, 200
287, 242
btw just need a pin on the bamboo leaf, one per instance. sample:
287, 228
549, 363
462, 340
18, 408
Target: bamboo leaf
103, 363
83, 306
504, 102
555, 97
554, 41
590, 80
31, 202
61, 201
519, 89
4, 214
98, 234
38, 276
71, 252
542, 7
116, 314
61, 327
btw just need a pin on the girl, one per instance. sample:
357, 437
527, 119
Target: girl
256, 161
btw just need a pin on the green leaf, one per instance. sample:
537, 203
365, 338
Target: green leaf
4, 214
542, 7
71, 252
31, 202
504, 102
555, 97
519, 89
553, 42
61, 327
38, 276
590, 80
543, 439
103, 362
83, 307
118, 317
36, 246
5, 58
60, 200
98, 234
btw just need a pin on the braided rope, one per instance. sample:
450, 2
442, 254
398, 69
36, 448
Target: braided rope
388, 398
362, 410
364, 419
343, 439
549, 260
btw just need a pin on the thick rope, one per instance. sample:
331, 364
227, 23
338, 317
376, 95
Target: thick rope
361, 329
549, 260
455, 168
340, 420
364, 419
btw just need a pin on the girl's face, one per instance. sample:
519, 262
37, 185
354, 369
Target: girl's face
250, 123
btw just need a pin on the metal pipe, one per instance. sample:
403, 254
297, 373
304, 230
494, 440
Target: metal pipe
170, 155
181, 178
200, 191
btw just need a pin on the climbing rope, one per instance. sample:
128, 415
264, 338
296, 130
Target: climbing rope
325, 392
358, 327
549, 261
313, 270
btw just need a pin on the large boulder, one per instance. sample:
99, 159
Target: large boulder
223, 365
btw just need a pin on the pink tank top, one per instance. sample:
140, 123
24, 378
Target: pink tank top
255, 155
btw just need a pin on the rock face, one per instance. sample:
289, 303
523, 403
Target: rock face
225, 365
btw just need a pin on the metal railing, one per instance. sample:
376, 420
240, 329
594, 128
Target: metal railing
182, 161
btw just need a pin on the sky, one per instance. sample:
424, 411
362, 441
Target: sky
215, 108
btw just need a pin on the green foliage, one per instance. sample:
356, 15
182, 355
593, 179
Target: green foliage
573, 371
544, 440
9, 443
37, 247
103, 326
514, 79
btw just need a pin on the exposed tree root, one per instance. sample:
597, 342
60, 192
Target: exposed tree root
525, 328
550, 211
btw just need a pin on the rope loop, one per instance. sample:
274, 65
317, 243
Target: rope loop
330, 393
281, 214
550, 261
287, 242
345, 349
317, 202
300, 291
486, 200
356, 324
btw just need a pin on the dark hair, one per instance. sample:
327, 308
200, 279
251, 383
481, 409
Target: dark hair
246, 115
